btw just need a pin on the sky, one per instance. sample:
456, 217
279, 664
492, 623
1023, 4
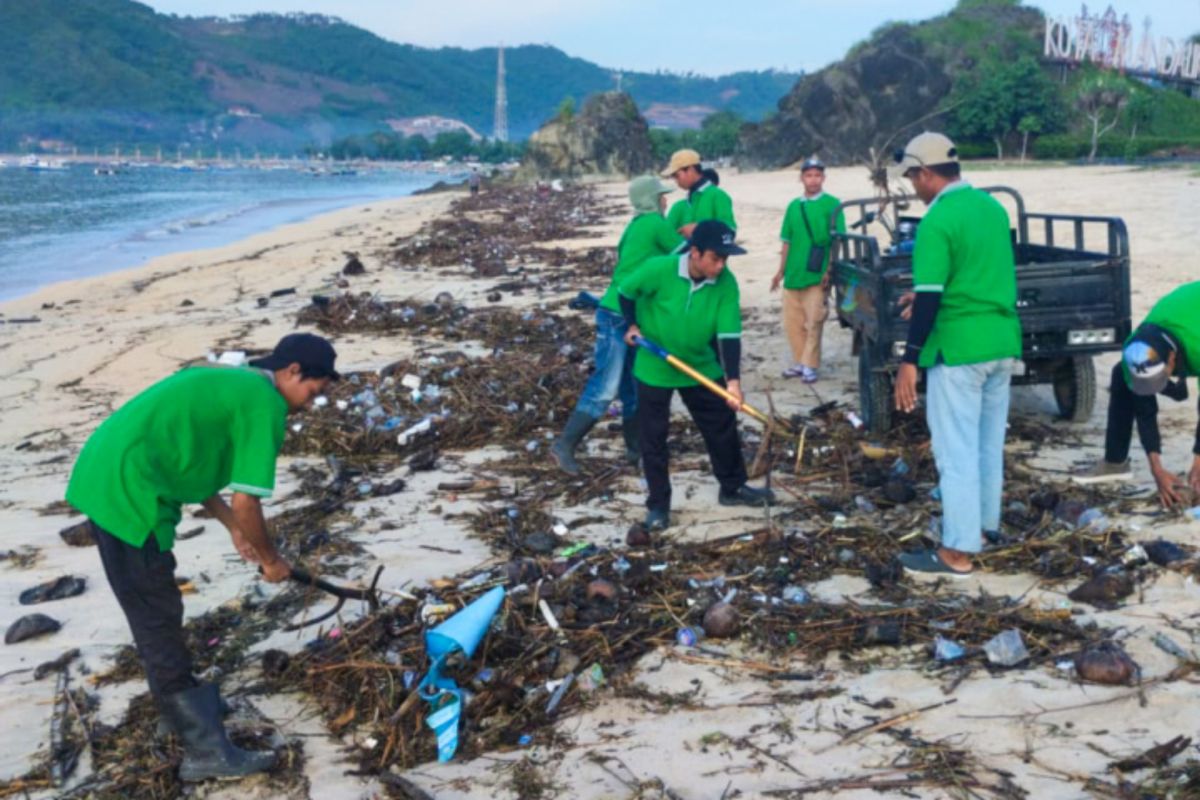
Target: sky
708, 37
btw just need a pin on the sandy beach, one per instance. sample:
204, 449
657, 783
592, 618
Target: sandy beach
732, 731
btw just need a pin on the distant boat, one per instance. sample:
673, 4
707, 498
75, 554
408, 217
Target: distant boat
35, 164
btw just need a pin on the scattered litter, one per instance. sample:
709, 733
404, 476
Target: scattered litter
1006, 649
29, 627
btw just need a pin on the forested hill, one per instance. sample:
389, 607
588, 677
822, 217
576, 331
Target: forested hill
98, 72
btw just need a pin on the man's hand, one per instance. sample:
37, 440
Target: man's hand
1169, 485
776, 281
1194, 478
686, 230
632, 333
906, 388
906, 304
244, 548
734, 387
275, 570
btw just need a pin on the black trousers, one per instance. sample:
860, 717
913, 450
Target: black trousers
1123, 408
717, 423
143, 579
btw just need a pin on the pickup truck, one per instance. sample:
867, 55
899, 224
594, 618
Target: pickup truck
1072, 297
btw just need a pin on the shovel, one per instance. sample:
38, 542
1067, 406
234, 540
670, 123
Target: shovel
713, 386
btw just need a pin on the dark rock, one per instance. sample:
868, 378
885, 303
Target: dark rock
522, 570
608, 136
275, 663
30, 626
186, 304
1104, 590
1162, 552
262, 302
637, 536
721, 621
541, 542
494, 297
354, 266
78, 535
57, 589
880, 632
1107, 663
899, 490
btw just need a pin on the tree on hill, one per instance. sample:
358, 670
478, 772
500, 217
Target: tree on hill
1005, 99
1097, 97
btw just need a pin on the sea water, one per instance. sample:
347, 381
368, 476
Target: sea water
70, 223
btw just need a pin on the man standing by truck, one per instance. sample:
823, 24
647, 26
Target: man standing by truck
706, 200
1165, 345
965, 333
804, 269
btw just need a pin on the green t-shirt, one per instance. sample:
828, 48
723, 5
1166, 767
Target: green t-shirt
679, 214
819, 210
646, 236
711, 202
964, 251
182, 440
683, 317
1178, 313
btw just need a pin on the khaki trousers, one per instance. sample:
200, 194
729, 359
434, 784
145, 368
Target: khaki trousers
804, 315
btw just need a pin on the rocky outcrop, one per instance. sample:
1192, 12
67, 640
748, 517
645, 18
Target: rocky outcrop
608, 137
886, 89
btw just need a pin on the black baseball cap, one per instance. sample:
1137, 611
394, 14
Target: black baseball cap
716, 236
812, 162
313, 353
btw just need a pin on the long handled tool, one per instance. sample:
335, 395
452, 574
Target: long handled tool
713, 386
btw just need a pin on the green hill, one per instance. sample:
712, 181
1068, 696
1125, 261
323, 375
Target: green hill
100, 72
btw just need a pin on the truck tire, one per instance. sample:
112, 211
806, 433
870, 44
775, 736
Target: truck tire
874, 394
1075, 388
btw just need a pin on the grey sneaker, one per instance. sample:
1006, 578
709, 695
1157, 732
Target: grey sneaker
1104, 472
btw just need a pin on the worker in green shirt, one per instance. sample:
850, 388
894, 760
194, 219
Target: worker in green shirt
679, 214
647, 235
804, 269
965, 334
1165, 346
689, 304
184, 440
706, 200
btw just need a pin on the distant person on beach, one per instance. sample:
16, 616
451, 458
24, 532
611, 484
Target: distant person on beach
804, 269
1166, 345
964, 333
184, 440
647, 235
706, 199
473, 180
689, 304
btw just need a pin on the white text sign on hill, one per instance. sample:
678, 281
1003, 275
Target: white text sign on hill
1110, 42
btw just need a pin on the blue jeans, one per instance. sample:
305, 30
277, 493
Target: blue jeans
613, 375
967, 415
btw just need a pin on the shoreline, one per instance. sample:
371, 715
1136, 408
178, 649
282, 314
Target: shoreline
129, 328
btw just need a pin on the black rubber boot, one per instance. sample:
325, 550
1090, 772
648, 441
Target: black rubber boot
633, 440
195, 714
164, 729
747, 495
563, 448
657, 519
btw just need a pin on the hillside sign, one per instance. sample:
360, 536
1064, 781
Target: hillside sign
1110, 42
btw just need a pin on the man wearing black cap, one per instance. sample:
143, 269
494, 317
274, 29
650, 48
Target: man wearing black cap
1165, 345
184, 440
689, 305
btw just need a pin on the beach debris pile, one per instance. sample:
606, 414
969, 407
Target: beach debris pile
506, 231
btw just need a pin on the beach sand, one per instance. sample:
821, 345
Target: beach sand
101, 340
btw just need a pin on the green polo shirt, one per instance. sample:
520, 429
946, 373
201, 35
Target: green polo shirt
712, 202
964, 251
182, 440
819, 211
682, 316
646, 236
679, 214
1178, 313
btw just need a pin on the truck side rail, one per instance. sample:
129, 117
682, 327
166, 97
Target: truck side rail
1115, 234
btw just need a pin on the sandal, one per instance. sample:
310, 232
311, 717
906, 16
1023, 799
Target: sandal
929, 562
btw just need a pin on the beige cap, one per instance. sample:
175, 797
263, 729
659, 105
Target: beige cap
681, 159
924, 150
